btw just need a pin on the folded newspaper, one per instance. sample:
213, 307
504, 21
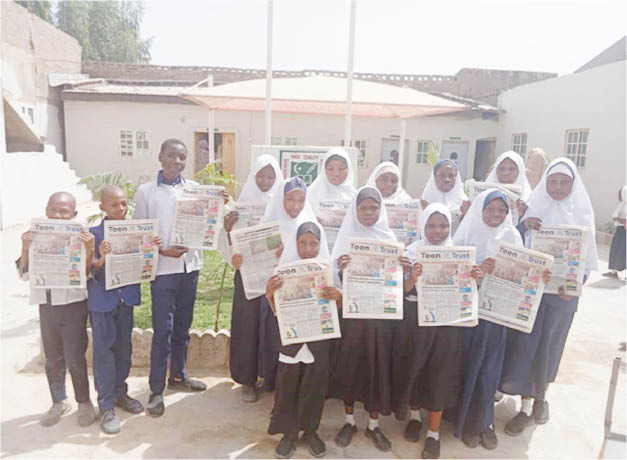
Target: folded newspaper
331, 214
403, 220
512, 191
134, 254
198, 217
56, 257
249, 213
302, 314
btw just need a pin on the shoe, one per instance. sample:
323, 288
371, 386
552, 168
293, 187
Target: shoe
110, 423
380, 441
186, 384
431, 449
155, 405
517, 425
317, 447
55, 412
285, 448
128, 404
412, 431
471, 440
610, 274
498, 397
488, 439
540, 412
345, 435
249, 393
86, 413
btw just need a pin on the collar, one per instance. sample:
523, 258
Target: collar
162, 180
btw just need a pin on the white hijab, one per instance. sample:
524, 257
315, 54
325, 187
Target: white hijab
251, 191
575, 209
521, 180
384, 168
452, 199
290, 252
323, 190
412, 250
473, 231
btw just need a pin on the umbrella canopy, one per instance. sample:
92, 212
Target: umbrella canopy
322, 95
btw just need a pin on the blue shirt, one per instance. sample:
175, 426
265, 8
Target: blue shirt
98, 298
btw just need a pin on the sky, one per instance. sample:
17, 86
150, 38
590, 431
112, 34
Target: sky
392, 36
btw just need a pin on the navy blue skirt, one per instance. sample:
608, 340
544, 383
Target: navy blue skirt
269, 344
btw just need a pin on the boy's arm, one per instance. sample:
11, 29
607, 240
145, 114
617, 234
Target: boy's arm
88, 239
22, 262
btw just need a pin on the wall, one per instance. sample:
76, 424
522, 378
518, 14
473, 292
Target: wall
592, 99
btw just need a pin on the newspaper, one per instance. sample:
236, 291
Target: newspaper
373, 280
302, 315
133, 256
331, 214
249, 213
447, 293
403, 220
511, 294
56, 257
568, 245
513, 192
198, 217
257, 245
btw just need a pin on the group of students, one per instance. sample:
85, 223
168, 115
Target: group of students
389, 366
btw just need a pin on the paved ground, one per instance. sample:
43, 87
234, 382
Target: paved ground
216, 424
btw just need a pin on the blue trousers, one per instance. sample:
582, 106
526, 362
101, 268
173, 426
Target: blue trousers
112, 353
173, 298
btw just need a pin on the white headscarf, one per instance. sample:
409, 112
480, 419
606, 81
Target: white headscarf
621, 209
575, 209
323, 190
412, 249
384, 168
290, 252
521, 180
352, 228
473, 231
251, 191
454, 198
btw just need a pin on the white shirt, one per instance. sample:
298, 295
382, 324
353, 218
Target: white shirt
154, 201
304, 355
57, 296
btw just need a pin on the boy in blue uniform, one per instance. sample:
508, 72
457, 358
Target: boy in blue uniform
111, 314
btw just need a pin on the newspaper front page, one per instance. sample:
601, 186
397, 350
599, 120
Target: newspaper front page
249, 213
568, 245
198, 217
56, 257
257, 245
511, 191
304, 316
134, 254
372, 285
447, 293
511, 294
331, 214
403, 220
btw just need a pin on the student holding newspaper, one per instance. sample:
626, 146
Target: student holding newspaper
509, 169
445, 186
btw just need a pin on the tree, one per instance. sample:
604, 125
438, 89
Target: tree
42, 9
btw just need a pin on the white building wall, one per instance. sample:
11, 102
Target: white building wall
594, 100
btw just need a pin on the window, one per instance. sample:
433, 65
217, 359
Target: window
423, 152
142, 148
291, 141
134, 144
360, 145
577, 146
275, 141
126, 143
519, 143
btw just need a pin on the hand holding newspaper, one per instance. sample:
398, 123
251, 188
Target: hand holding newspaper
447, 293
302, 314
133, 256
511, 294
56, 257
403, 220
198, 217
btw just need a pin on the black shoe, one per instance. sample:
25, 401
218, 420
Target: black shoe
285, 448
249, 393
488, 439
412, 431
155, 405
518, 424
431, 449
317, 447
186, 384
471, 440
378, 438
345, 435
540, 412
128, 404
110, 423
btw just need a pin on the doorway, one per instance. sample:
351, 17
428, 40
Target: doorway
389, 152
457, 151
224, 151
484, 158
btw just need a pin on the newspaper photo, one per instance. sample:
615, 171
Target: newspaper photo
248, 213
511, 294
198, 217
447, 293
331, 214
403, 220
373, 280
257, 245
56, 257
568, 245
304, 316
134, 254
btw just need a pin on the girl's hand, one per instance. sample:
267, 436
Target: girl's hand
533, 223
477, 273
229, 220
225, 195
274, 283
546, 276
405, 263
465, 207
279, 250
343, 261
488, 265
237, 260
27, 239
563, 296
104, 248
416, 271
522, 207
331, 293
157, 241
424, 203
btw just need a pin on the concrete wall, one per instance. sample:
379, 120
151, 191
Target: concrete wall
593, 99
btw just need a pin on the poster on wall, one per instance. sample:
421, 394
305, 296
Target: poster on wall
302, 163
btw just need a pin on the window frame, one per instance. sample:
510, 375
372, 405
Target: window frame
578, 157
128, 141
424, 154
519, 147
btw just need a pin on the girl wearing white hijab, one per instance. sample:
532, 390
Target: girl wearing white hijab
303, 370
532, 360
617, 249
362, 366
386, 178
509, 168
445, 186
427, 361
